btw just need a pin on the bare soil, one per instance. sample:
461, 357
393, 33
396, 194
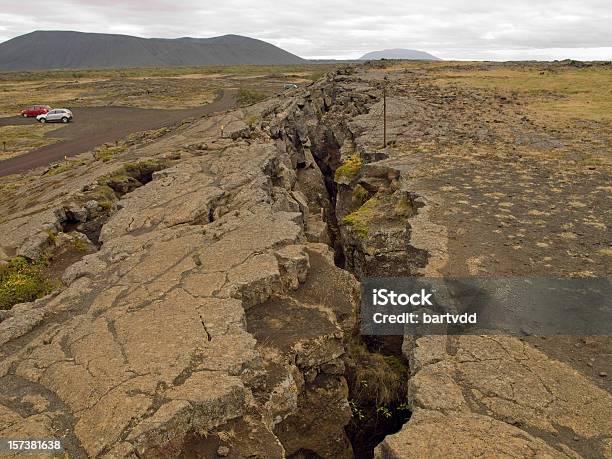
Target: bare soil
521, 192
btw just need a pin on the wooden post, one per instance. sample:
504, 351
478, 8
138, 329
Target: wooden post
384, 117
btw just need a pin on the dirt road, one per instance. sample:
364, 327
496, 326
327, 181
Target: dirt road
95, 126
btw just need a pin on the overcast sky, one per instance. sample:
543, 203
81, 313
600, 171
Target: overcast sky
476, 29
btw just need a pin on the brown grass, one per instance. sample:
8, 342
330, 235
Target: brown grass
564, 94
21, 139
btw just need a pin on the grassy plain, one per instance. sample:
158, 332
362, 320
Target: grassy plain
575, 93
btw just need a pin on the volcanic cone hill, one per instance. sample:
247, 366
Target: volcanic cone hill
400, 54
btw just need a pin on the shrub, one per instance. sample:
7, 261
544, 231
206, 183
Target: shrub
378, 378
248, 97
106, 153
21, 282
377, 385
59, 168
80, 245
252, 121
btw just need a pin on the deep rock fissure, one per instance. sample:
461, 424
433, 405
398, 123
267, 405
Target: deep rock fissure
330, 212
314, 130
374, 417
83, 222
89, 218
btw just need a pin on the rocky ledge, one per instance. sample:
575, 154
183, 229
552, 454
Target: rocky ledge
210, 319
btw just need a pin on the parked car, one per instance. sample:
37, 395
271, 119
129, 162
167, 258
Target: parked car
58, 115
290, 86
35, 110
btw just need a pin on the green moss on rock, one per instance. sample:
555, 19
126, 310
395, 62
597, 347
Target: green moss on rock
404, 208
360, 195
63, 167
360, 219
348, 170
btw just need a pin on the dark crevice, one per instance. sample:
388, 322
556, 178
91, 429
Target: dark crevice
377, 372
100, 200
328, 158
208, 337
304, 454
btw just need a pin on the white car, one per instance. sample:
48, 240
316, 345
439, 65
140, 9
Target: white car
58, 115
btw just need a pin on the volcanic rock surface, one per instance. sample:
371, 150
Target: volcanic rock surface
213, 317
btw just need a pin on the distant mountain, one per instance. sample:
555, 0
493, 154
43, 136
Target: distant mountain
44, 50
408, 54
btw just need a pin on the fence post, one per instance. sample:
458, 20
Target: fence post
384, 117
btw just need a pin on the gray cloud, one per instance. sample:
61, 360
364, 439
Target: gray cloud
476, 29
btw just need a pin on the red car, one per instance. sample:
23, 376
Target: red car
35, 110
